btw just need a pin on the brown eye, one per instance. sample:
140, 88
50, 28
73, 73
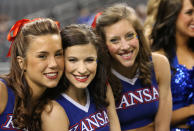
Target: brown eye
90, 60
189, 12
59, 54
114, 40
42, 56
73, 60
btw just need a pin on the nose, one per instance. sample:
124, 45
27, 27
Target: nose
52, 62
82, 68
124, 44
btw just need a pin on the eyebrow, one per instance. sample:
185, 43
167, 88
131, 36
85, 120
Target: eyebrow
130, 31
188, 8
44, 52
111, 37
91, 56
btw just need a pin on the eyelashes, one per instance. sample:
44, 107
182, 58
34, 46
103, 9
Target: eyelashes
128, 36
87, 60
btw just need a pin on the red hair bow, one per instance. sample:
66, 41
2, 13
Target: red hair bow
16, 28
58, 24
95, 18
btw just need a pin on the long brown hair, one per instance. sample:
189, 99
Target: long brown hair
25, 115
112, 15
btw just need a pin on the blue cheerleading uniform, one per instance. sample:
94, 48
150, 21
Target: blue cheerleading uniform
6, 122
84, 118
182, 87
138, 105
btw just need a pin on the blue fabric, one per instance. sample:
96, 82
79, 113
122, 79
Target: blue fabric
6, 117
182, 87
138, 105
80, 120
180, 129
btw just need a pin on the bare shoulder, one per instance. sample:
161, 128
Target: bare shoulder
161, 66
160, 52
159, 59
3, 96
54, 117
53, 109
3, 88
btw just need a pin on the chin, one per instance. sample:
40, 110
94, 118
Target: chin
81, 86
127, 64
53, 85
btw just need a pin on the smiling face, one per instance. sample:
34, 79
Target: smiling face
80, 65
185, 20
44, 61
122, 42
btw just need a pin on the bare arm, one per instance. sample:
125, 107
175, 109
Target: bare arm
182, 114
162, 70
3, 97
56, 119
111, 109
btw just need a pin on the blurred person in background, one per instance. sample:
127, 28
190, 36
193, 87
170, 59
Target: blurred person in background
173, 36
141, 11
85, 16
152, 8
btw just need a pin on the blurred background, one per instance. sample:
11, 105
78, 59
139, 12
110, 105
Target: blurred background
64, 11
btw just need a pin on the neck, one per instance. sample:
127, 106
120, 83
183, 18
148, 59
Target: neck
35, 89
79, 95
181, 43
181, 40
128, 72
37, 93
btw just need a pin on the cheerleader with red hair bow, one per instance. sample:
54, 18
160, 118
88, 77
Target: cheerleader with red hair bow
36, 67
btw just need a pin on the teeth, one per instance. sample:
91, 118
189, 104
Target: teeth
81, 77
52, 74
125, 55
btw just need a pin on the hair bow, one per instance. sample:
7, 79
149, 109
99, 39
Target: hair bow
16, 28
58, 24
95, 18
14, 31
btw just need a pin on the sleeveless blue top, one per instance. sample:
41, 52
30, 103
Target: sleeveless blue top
84, 117
6, 117
138, 105
182, 87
